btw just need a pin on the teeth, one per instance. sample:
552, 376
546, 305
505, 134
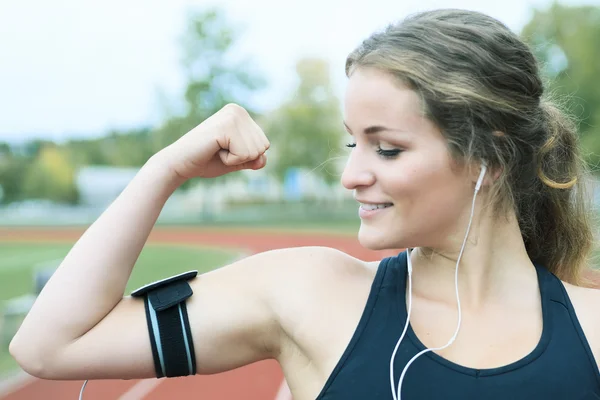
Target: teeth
371, 207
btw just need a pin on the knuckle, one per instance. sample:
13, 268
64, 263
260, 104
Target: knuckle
230, 106
235, 109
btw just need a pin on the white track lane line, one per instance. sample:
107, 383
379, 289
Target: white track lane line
15, 382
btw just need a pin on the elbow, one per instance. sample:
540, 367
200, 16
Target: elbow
29, 359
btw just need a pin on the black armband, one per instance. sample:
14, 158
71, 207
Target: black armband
169, 326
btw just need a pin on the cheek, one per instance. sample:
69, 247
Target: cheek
419, 176
441, 207
429, 194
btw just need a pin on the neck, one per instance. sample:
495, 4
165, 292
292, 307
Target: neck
493, 267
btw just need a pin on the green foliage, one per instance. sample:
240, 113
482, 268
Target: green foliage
87, 152
51, 176
214, 77
4, 149
565, 39
119, 148
12, 174
306, 131
591, 147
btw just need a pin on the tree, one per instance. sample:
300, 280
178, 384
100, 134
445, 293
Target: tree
565, 39
127, 148
87, 151
51, 176
12, 173
5, 149
306, 131
214, 76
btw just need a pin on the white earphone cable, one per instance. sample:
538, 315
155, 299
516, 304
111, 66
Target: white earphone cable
82, 389
397, 395
405, 326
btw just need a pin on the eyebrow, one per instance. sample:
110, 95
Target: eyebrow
373, 129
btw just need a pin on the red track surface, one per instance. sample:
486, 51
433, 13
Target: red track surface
260, 381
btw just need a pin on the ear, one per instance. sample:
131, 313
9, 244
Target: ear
491, 175
481, 177
496, 173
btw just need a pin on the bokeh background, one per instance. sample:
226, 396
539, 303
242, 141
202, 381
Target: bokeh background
90, 90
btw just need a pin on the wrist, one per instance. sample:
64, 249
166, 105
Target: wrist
159, 168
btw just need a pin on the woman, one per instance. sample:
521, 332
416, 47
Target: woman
449, 130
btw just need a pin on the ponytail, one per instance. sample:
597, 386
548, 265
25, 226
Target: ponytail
561, 236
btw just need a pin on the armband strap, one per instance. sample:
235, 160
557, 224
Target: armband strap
169, 326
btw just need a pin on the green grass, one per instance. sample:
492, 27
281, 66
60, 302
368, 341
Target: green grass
18, 261
7, 363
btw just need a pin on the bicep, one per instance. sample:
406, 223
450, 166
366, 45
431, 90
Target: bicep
231, 323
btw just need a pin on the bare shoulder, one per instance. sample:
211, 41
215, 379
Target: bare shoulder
307, 261
278, 276
306, 280
313, 264
273, 265
586, 302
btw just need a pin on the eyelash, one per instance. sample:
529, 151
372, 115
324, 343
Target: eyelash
380, 151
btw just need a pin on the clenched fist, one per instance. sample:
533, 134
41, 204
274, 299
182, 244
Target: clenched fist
228, 141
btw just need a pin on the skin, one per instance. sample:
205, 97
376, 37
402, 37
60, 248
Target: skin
257, 308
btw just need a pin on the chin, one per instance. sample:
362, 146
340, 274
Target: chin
375, 239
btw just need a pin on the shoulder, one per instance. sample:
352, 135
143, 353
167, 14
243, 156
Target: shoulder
302, 280
309, 260
313, 264
586, 302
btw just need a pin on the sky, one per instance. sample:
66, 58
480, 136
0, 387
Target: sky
79, 68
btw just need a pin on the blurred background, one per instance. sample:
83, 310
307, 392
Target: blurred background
90, 90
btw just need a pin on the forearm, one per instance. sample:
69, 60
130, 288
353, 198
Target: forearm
92, 278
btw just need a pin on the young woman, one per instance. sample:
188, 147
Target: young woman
457, 155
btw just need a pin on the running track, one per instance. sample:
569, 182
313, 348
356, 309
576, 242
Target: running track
259, 381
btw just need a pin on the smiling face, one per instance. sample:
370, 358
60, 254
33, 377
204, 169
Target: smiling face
401, 162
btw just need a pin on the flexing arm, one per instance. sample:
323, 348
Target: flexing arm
81, 327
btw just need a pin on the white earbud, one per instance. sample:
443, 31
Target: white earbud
481, 176
397, 394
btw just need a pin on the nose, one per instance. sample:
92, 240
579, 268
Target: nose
357, 172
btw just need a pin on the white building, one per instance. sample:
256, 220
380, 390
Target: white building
99, 185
